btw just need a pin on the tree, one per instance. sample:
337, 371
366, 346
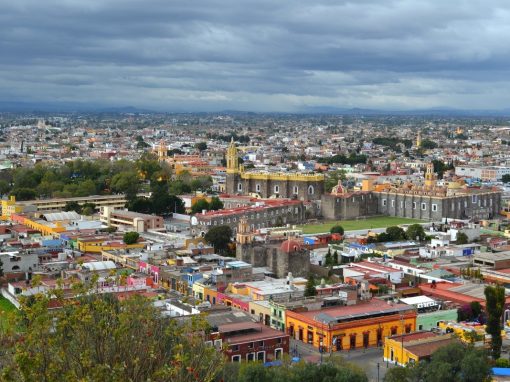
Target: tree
4, 187
310, 289
395, 233
131, 237
416, 232
1, 269
201, 146
73, 206
140, 204
24, 193
462, 238
505, 178
215, 204
337, 229
99, 338
328, 259
199, 206
428, 144
332, 178
495, 304
453, 362
219, 237
127, 183
335, 257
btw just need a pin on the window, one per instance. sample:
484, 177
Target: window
384, 202
276, 189
393, 202
239, 187
423, 206
250, 357
261, 356
473, 199
434, 207
401, 204
250, 345
279, 340
414, 205
257, 187
311, 190
278, 353
236, 358
296, 190
260, 344
208, 343
235, 347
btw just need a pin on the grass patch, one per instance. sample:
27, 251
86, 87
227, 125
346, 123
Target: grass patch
353, 225
7, 310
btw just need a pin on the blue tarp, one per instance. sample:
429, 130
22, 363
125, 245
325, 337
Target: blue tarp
501, 371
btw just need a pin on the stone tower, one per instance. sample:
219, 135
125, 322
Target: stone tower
162, 151
418, 139
233, 177
244, 234
430, 176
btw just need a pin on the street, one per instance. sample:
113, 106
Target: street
366, 359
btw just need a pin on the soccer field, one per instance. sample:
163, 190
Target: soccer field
354, 225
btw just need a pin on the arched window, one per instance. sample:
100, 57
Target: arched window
239, 187
276, 189
311, 190
257, 187
296, 190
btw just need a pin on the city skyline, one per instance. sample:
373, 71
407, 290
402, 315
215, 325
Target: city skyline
256, 56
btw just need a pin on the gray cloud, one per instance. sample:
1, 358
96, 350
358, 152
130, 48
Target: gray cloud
256, 55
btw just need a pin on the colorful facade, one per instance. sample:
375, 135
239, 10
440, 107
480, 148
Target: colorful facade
363, 325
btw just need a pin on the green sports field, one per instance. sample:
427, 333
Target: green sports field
353, 225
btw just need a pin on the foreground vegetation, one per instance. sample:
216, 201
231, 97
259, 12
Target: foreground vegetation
99, 338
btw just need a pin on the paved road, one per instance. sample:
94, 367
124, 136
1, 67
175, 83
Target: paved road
366, 359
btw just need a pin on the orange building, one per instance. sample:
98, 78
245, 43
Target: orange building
365, 324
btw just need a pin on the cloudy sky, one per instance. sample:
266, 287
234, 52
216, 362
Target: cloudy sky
260, 55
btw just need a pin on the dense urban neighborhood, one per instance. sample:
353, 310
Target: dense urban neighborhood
243, 247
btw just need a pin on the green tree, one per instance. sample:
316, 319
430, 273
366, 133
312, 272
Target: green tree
495, 304
127, 183
395, 233
416, 231
505, 178
219, 237
332, 178
310, 289
335, 257
215, 204
428, 144
24, 193
201, 146
73, 206
103, 339
199, 206
140, 204
328, 260
4, 187
462, 238
131, 237
337, 229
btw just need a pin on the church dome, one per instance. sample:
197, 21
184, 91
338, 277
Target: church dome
291, 246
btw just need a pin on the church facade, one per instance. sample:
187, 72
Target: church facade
292, 185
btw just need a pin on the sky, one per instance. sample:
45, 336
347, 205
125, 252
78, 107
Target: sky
260, 55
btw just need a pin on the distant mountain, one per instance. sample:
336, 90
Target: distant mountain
68, 107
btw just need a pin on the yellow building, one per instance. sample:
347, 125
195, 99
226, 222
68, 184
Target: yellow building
414, 347
466, 332
10, 207
101, 244
363, 325
261, 311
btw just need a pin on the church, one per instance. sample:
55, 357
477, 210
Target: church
292, 185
